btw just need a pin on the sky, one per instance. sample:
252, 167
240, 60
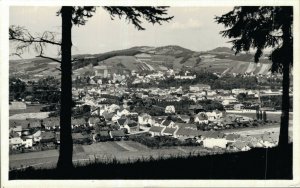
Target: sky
192, 27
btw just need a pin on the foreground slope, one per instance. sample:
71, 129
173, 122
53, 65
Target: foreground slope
269, 163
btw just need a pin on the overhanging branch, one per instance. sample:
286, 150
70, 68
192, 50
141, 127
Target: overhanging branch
50, 58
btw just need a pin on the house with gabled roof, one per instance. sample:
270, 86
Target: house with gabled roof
201, 118
14, 140
78, 122
167, 123
185, 132
117, 134
185, 118
186, 126
35, 123
170, 131
251, 141
113, 108
211, 139
34, 134
122, 122
232, 137
132, 126
51, 122
115, 117
269, 139
239, 146
156, 130
123, 112
108, 116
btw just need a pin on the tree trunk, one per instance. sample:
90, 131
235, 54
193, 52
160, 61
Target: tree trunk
287, 52
66, 143
284, 124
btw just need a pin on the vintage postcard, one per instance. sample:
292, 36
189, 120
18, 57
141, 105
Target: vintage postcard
149, 93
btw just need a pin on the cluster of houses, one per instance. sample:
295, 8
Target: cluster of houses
120, 121
212, 139
29, 132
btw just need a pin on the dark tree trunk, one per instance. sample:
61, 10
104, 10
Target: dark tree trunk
287, 53
66, 143
284, 124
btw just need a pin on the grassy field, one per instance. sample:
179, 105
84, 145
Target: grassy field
29, 109
104, 151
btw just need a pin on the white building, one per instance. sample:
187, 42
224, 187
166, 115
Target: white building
170, 109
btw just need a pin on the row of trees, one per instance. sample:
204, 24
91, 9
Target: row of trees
45, 90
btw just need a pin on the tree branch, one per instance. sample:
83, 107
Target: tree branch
33, 40
24, 40
50, 58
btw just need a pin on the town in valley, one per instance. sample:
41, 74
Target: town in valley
145, 102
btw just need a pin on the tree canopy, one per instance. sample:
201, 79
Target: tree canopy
261, 27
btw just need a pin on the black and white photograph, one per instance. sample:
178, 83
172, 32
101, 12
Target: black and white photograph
151, 92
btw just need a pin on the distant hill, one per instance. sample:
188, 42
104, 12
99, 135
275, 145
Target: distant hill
222, 49
146, 58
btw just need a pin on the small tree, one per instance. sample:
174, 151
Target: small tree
260, 115
257, 114
264, 116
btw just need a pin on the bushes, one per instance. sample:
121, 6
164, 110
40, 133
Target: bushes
161, 141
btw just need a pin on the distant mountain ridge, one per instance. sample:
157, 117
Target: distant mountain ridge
147, 58
222, 49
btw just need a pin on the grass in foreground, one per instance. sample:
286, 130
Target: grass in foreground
255, 164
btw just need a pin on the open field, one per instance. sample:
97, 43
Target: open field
272, 128
270, 116
104, 151
29, 109
258, 163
